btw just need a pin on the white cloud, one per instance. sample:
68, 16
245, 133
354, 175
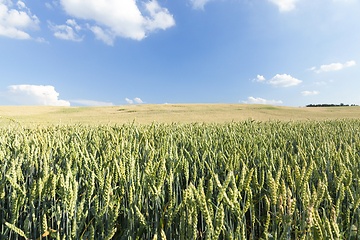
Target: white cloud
307, 93
199, 4
159, 17
120, 18
283, 80
259, 78
252, 100
34, 95
106, 37
335, 66
21, 5
285, 5
66, 32
72, 22
13, 23
129, 101
91, 103
138, 100
311, 69
135, 100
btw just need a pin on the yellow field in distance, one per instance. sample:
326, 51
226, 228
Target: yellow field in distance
167, 113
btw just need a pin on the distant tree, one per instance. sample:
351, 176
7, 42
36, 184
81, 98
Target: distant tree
330, 105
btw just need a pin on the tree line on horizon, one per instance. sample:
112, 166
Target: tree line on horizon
331, 105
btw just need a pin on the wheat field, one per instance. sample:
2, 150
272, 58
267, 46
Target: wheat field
235, 180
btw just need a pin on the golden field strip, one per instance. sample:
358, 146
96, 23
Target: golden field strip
167, 113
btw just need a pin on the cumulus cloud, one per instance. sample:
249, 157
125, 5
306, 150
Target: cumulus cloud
116, 18
284, 80
66, 32
129, 101
259, 78
285, 5
21, 5
34, 95
135, 100
252, 100
307, 93
13, 22
335, 66
138, 100
160, 18
91, 103
198, 4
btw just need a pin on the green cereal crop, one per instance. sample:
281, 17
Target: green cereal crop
238, 180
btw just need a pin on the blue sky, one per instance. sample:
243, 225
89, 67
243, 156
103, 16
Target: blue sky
118, 52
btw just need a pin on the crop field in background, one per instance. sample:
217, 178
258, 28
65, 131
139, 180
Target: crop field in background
168, 113
235, 180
